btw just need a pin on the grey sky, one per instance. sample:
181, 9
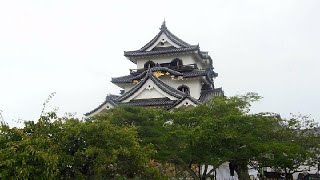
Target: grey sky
74, 47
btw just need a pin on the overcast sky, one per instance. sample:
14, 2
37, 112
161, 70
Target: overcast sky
74, 47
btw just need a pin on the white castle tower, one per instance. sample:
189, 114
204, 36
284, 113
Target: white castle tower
170, 74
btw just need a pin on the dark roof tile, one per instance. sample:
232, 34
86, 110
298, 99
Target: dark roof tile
185, 97
207, 94
163, 86
187, 74
161, 51
170, 35
109, 99
151, 102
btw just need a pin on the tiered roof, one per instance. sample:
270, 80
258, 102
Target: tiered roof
172, 37
171, 97
183, 47
159, 102
188, 74
207, 94
160, 51
163, 86
109, 99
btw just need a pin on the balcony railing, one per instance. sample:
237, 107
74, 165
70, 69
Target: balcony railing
180, 68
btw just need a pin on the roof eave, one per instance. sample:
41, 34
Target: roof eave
100, 106
133, 55
170, 35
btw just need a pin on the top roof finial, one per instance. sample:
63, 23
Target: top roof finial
163, 26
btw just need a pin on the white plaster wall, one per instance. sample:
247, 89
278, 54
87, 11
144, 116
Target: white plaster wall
186, 59
194, 85
162, 38
106, 106
147, 94
165, 44
185, 103
149, 85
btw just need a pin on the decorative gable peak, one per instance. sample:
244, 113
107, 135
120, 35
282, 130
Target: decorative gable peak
164, 42
164, 39
167, 43
163, 26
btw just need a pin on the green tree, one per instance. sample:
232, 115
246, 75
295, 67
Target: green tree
150, 125
69, 148
203, 136
296, 142
223, 130
218, 131
122, 142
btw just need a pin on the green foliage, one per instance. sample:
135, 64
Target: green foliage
218, 131
121, 143
149, 123
294, 142
55, 148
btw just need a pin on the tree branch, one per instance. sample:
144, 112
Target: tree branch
190, 171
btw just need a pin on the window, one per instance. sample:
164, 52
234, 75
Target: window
149, 64
176, 62
184, 89
162, 42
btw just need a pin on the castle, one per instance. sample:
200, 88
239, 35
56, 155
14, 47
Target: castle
170, 74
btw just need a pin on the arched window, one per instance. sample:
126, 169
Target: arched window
184, 88
149, 64
176, 63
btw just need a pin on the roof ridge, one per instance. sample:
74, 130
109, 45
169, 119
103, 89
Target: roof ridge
175, 50
153, 40
185, 97
170, 35
176, 39
172, 91
108, 99
130, 78
134, 89
163, 26
207, 94
163, 86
